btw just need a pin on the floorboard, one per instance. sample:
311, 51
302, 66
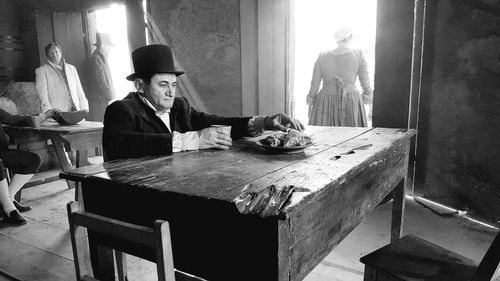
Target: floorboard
33, 263
41, 250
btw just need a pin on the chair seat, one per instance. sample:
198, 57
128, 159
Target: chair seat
412, 258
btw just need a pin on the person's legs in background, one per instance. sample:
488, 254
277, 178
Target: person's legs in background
8, 211
17, 182
24, 164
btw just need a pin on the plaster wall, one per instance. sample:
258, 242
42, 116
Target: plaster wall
205, 39
464, 116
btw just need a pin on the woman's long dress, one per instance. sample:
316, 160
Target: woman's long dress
339, 102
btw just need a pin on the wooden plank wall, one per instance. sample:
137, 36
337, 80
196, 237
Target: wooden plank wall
68, 33
264, 36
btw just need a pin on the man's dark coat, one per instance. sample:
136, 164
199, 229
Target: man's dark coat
133, 130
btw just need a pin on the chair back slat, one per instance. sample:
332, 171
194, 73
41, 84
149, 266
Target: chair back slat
123, 230
490, 261
164, 257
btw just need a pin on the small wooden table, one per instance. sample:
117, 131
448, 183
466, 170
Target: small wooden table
79, 137
343, 176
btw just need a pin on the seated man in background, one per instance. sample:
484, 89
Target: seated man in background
23, 164
58, 84
152, 121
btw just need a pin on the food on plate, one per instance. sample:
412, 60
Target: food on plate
274, 140
290, 139
296, 138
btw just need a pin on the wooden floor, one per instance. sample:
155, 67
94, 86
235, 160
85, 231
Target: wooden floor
40, 250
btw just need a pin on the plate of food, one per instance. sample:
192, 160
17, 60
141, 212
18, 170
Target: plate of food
291, 142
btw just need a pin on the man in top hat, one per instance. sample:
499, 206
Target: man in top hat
153, 121
100, 84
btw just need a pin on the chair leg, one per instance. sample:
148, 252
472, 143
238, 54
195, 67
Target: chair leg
78, 192
121, 265
98, 151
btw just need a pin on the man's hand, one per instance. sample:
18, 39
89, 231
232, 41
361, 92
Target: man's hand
51, 112
214, 137
40, 118
282, 122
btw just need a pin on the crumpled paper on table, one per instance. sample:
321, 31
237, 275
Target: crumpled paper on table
269, 201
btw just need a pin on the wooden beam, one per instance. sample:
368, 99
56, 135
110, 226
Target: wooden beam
425, 98
136, 27
249, 62
416, 75
393, 51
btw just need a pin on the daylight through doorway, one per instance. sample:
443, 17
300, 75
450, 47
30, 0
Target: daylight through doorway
315, 23
112, 20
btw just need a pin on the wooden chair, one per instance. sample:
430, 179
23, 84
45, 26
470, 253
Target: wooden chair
413, 258
157, 237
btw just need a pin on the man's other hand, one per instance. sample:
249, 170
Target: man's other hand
41, 117
51, 112
282, 122
214, 137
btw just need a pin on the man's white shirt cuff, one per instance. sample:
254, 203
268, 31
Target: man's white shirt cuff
185, 141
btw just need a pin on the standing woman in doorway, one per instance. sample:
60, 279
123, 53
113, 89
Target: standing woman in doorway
339, 102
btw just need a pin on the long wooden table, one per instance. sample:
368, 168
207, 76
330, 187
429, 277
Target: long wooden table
339, 180
79, 137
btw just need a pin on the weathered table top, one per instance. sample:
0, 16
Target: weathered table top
52, 126
339, 179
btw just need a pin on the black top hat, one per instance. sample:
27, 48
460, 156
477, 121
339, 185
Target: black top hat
153, 59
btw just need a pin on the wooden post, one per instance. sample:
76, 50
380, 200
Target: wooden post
136, 27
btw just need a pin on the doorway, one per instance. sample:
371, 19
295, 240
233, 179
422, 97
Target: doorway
315, 24
112, 20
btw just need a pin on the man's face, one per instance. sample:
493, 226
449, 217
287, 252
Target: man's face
161, 90
54, 55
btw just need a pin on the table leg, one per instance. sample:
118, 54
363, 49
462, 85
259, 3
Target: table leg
61, 154
398, 210
101, 258
82, 159
63, 158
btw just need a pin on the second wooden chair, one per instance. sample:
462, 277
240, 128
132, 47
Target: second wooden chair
412, 258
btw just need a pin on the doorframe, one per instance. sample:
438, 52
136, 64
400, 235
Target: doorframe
265, 55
